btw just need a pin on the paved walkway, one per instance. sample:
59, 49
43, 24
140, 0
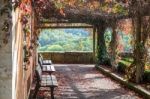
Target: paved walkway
85, 82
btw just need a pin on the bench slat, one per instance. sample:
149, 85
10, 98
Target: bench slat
53, 68
47, 62
55, 83
45, 81
48, 68
43, 61
49, 80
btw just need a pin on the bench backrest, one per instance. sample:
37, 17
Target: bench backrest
40, 57
40, 61
38, 73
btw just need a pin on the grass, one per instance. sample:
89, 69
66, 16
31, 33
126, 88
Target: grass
123, 64
126, 61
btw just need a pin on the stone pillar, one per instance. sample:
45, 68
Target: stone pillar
113, 47
5, 57
102, 54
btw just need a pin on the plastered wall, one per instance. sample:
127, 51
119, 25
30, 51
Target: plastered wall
5, 61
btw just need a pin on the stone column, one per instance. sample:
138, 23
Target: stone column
113, 47
102, 54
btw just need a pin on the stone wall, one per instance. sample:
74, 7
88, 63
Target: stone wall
5, 61
69, 57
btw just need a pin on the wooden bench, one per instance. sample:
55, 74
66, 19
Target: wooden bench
49, 81
44, 62
48, 69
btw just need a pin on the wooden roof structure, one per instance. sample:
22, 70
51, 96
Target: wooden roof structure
71, 11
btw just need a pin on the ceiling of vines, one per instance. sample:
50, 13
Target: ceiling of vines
86, 11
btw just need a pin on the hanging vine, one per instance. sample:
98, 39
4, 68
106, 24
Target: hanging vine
113, 47
25, 7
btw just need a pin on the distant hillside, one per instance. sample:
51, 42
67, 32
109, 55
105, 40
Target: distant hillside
78, 32
65, 40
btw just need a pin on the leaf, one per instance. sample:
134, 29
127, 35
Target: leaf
62, 12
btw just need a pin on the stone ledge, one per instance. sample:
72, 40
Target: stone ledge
141, 91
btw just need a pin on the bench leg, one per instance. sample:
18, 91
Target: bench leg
52, 92
36, 90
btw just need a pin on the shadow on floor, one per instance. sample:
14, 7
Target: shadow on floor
85, 82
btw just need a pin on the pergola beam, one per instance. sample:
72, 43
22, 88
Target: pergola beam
54, 22
56, 27
86, 15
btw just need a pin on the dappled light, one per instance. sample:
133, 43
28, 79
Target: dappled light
75, 49
85, 82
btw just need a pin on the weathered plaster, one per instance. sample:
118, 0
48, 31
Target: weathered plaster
5, 63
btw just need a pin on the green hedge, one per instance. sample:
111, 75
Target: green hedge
146, 76
107, 62
121, 67
127, 59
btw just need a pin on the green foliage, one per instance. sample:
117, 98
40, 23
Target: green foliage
65, 40
146, 76
108, 36
126, 62
42, 48
127, 59
121, 67
119, 9
123, 64
54, 48
102, 56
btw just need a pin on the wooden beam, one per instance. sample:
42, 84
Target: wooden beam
62, 24
94, 50
54, 22
56, 27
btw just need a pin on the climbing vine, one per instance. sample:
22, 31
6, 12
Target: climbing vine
141, 29
109, 6
25, 7
102, 54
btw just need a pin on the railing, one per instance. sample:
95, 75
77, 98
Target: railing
69, 57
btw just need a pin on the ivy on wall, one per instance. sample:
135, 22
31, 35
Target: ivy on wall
25, 7
6, 13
